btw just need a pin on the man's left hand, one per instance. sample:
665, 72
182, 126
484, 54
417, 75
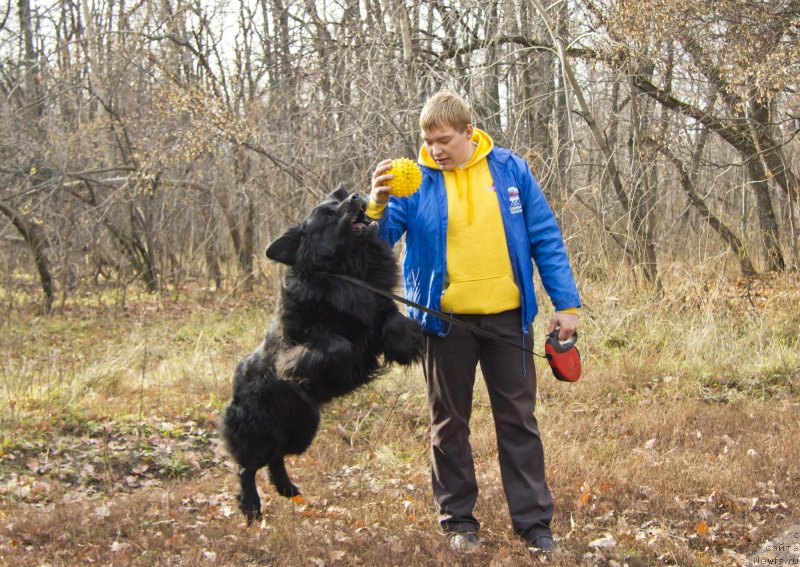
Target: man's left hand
568, 323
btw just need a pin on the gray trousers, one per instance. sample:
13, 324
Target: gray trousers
510, 377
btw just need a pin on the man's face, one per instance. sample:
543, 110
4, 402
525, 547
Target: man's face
448, 147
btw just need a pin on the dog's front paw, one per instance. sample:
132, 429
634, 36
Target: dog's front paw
403, 340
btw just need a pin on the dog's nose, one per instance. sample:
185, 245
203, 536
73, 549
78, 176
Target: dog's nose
354, 200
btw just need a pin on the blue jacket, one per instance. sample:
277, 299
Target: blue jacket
531, 233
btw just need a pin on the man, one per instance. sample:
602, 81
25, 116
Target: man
472, 229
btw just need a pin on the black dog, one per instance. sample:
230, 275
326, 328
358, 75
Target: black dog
326, 340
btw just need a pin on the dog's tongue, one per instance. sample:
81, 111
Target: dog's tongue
359, 227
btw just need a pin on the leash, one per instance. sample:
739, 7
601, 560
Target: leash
445, 317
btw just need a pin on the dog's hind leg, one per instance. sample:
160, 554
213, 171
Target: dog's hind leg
280, 478
249, 502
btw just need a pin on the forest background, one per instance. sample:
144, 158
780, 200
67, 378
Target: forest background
150, 150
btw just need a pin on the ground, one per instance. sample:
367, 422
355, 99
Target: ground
678, 446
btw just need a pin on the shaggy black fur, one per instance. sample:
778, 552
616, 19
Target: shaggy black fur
326, 340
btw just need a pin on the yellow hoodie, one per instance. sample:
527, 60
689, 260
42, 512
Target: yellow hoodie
479, 279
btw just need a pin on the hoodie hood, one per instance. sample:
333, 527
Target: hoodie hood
483, 145
463, 176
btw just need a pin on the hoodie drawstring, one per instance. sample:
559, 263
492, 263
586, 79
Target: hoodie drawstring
469, 172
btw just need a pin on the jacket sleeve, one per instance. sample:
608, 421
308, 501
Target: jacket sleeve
546, 242
394, 222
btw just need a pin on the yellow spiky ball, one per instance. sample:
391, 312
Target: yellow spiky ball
407, 177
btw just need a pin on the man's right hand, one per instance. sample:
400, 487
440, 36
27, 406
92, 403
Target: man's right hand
380, 191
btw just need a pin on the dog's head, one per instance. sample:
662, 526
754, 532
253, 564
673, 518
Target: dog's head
327, 235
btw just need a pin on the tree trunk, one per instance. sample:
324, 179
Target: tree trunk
33, 106
768, 224
210, 240
774, 168
563, 144
32, 233
641, 197
489, 98
247, 252
142, 241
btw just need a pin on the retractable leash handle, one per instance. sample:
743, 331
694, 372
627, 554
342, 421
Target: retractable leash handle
563, 357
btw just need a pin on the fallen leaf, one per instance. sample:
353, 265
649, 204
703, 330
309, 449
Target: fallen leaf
395, 545
102, 511
603, 542
586, 494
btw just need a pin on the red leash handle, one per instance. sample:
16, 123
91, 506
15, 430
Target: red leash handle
563, 357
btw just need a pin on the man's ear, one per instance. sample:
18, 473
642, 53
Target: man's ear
284, 248
340, 194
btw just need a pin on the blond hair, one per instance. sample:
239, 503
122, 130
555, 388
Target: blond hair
443, 109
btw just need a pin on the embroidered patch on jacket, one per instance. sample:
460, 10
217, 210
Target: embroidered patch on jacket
513, 201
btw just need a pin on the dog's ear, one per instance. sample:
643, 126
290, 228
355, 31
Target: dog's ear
284, 248
340, 194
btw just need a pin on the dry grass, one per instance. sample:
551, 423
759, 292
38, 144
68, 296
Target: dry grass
679, 444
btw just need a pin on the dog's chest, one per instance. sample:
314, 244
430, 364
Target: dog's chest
309, 312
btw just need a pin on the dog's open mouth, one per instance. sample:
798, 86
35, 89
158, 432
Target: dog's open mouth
359, 221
